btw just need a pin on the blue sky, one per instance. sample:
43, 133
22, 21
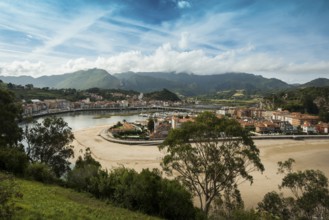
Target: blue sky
285, 39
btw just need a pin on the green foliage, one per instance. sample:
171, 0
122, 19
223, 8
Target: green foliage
146, 192
175, 202
228, 203
150, 124
13, 160
48, 142
312, 100
275, 205
164, 95
46, 93
221, 153
8, 192
10, 111
40, 172
42, 201
310, 195
85, 173
324, 116
149, 193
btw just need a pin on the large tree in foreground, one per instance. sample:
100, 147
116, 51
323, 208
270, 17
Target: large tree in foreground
10, 111
49, 143
211, 156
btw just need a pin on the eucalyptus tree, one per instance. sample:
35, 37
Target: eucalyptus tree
49, 142
211, 156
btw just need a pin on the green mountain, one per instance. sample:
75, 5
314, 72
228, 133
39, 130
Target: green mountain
191, 84
320, 82
182, 83
83, 79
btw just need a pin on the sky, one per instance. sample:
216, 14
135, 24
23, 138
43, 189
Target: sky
284, 39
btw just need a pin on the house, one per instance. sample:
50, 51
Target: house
161, 130
308, 128
286, 127
322, 128
267, 127
260, 128
176, 122
248, 125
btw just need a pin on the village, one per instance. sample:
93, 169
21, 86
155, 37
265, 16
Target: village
258, 121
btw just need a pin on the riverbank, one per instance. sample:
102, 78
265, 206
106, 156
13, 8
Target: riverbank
308, 153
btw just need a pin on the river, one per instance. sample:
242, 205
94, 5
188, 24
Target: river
82, 120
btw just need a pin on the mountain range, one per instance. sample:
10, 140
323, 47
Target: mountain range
182, 83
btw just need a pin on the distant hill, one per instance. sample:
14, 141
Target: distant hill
191, 84
181, 83
164, 95
320, 82
83, 79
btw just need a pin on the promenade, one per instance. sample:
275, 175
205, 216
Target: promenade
108, 136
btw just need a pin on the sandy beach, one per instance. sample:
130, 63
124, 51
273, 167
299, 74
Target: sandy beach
309, 154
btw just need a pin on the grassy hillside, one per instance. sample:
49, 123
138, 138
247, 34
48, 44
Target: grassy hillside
42, 201
85, 79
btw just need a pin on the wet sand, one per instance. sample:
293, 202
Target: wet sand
309, 154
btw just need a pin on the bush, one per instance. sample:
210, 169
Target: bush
41, 172
148, 192
175, 202
8, 191
13, 160
84, 176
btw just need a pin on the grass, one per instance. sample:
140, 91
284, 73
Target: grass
42, 201
103, 116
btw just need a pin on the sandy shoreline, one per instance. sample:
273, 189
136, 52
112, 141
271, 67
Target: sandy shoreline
309, 154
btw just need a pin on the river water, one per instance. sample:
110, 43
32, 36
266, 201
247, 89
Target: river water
82, 120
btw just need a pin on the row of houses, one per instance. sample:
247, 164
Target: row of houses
279, 121
259, 121
58, 105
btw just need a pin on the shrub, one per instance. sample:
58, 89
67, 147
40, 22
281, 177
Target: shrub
41, 172
175, 202
13, 160
8, 191
148, 192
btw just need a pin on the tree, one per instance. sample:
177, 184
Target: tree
150, 125
85, 171
211, 155
29, 86
310, 194
10, 111
49, 142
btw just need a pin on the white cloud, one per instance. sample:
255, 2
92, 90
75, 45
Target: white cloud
184, 40
18, 68
183, 4
168, 58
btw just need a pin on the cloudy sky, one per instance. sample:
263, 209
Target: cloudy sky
285, 39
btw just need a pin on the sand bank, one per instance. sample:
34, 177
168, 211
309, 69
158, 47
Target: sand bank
309, 154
